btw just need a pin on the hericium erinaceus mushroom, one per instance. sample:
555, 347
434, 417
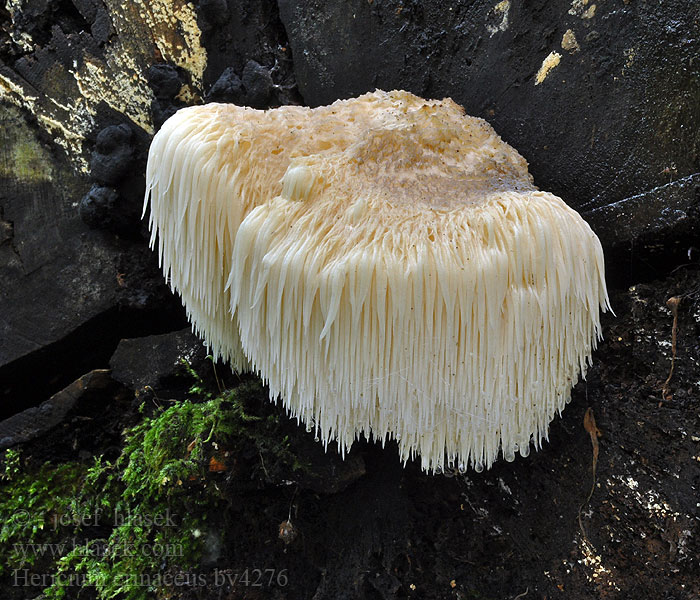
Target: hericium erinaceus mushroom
386, 265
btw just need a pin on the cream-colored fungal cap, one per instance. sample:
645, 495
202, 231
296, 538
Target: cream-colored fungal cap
385, 264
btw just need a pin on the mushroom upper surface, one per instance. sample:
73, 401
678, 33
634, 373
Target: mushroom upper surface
387, 266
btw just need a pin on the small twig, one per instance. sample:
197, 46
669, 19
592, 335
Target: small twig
590, 426
216, 376
522, 595
262, 464
672, 304
291, 505
155, 400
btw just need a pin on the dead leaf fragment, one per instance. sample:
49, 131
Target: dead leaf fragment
590, 426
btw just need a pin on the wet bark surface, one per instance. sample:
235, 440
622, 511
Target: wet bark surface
608, 508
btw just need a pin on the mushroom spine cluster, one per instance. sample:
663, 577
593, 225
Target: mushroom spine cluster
385, 264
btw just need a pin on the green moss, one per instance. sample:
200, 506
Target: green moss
135, 522
33, 510
11, 464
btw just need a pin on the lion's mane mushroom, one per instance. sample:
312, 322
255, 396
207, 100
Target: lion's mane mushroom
386, 265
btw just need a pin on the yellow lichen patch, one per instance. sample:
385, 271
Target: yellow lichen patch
577, 7
66, 138
590, 12
119, 82
630, 55
55, 118
187, 95
144, 33
21, 38
171, 25
498, 16
165, 27
569, 42
13, 92
552, 60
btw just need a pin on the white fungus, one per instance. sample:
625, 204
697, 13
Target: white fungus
385, 264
